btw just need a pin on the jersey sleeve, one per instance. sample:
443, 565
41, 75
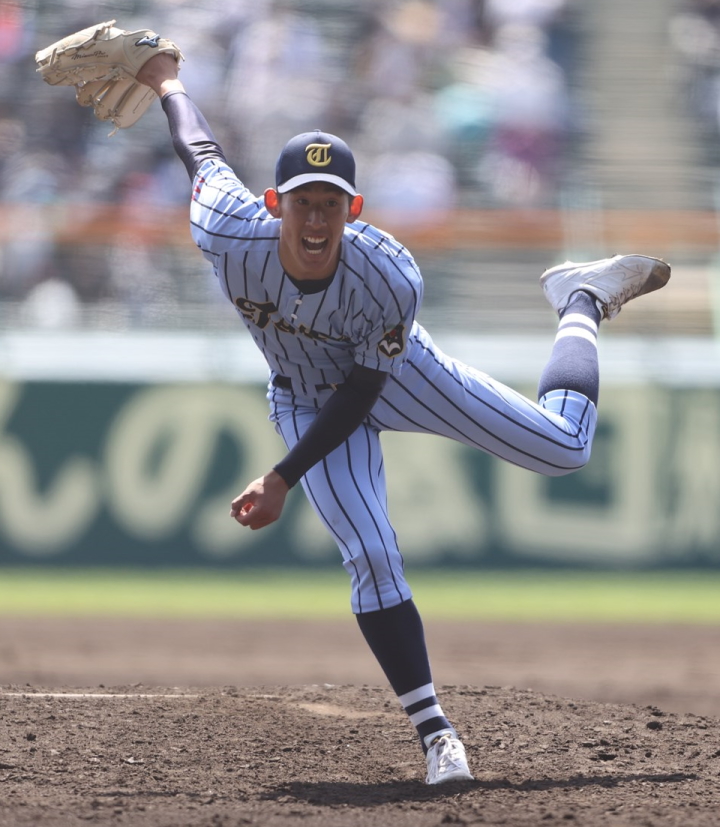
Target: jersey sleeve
224, 215
386, 322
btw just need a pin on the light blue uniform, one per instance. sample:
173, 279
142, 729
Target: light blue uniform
367, 315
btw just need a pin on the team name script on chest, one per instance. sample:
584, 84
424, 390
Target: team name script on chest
260, 314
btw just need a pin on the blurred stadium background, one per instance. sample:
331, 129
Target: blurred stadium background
494, 138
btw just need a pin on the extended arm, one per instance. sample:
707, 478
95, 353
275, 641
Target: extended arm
192, 137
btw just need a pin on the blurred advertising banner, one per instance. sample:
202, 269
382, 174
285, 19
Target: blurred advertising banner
128, 474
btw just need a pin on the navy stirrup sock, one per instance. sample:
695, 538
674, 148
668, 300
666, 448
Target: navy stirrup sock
397, 639
573, 363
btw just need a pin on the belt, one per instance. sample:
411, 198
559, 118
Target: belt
285, 382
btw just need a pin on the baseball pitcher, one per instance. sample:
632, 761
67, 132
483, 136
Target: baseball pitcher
331, 302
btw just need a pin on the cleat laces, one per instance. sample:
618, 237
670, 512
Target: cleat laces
447, 761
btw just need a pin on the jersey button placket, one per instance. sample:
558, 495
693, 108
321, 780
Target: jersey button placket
298, 302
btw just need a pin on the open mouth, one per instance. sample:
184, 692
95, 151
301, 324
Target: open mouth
313, 245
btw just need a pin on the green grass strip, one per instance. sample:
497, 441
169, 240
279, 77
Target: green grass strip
677, 597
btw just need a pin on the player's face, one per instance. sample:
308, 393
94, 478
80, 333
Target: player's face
313, 220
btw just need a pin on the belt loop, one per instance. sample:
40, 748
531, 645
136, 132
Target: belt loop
286, 383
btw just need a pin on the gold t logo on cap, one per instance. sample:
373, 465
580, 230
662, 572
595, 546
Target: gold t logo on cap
318, 155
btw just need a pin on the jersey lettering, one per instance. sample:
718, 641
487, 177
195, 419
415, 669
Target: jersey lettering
259, 314
320, 337
284, 327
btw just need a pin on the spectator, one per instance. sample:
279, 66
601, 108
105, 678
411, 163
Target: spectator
446, 101
695, 35
52, 304
530, 118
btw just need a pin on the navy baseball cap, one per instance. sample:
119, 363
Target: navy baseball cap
315, 156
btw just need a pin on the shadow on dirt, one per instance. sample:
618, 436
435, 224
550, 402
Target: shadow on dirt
329, 793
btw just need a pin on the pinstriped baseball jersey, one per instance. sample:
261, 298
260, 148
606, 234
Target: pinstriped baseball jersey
363, 316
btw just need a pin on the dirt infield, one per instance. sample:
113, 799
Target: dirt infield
222, 724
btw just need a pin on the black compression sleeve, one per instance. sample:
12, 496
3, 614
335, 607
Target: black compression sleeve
191, 135
339, 417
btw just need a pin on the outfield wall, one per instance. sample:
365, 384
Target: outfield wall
142, 473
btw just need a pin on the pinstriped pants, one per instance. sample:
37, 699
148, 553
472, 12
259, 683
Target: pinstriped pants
434, 394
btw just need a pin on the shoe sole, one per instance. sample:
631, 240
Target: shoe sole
459, 776
659, 276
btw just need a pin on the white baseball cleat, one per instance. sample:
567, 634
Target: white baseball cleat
613, 281
446, 760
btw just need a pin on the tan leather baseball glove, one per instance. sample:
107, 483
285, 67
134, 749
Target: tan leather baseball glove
101, 63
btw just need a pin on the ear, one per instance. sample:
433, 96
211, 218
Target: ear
272, 202
356, 207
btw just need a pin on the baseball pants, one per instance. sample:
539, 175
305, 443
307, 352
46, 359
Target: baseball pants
434, 394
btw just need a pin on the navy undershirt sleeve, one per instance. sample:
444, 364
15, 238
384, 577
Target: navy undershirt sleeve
192, 137
339, 417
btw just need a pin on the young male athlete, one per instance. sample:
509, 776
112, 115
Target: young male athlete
331, 303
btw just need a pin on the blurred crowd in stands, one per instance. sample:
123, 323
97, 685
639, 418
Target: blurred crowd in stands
695, 36
447, 103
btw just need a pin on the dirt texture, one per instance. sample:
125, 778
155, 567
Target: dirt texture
281, 724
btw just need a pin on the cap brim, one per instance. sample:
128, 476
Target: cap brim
310, 177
